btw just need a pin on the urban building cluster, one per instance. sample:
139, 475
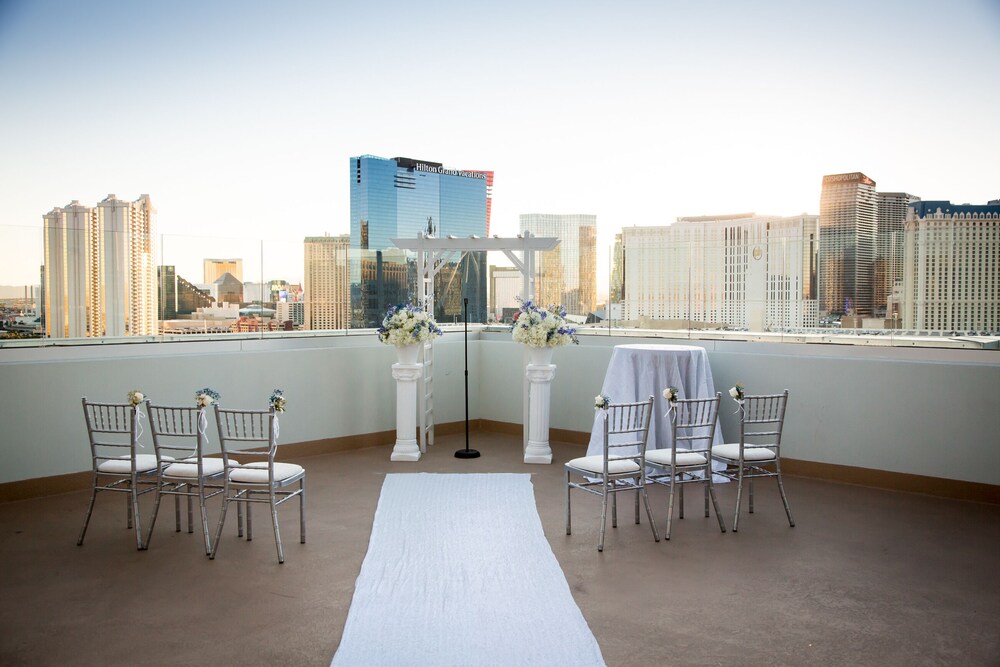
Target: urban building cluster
868, 260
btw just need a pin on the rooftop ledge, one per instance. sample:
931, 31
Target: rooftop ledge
825, 337
922, 412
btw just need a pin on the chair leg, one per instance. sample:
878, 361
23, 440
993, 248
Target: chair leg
156, 512
302, 511
204, 518
90, 510
177, 510
614, 509
638, 488
128, 510
705, 485
710, 486
569, 511
249, 508
134, 497
739, 498
670, 507
681, 491
222, 523
277, 533
239, 514
190, 503
604, 516
649, 512
788, 511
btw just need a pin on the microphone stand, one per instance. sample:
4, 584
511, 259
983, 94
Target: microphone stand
466, 453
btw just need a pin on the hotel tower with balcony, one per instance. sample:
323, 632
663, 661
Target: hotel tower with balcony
99, 273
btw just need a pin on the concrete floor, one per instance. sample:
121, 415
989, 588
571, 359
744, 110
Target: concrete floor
866, 577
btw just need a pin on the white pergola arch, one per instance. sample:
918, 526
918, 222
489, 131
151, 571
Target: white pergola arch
433, 253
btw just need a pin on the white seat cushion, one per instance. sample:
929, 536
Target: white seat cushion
189, 467
123, 464
662, 457
256, 473
732, 451
595, 464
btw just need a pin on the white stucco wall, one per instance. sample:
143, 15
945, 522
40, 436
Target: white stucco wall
922, 411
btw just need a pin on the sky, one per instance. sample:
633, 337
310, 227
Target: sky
239, 118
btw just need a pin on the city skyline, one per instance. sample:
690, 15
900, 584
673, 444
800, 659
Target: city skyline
626, 113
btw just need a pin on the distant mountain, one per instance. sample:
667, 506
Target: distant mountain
14, 292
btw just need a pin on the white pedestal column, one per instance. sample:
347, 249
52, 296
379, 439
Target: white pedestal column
539, 386
406, 376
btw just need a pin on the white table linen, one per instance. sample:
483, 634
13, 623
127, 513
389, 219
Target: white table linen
637, 371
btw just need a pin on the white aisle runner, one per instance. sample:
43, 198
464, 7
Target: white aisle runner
458, 572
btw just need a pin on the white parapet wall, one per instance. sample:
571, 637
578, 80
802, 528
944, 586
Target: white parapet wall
922, 411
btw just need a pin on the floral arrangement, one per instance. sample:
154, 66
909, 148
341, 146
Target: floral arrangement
538, 327
670, 393
278, 400
405, 324
135, 397
737, 392
205, 397
601, 402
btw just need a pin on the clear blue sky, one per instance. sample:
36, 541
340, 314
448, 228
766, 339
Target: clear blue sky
238, 118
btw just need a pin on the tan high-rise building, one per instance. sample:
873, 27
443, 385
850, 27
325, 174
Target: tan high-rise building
99, 272
214, 268
327, 282
741, 270
568, 274
951, 276
848, 218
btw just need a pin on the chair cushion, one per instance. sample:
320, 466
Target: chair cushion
123, 464
662, 457
256, 472
596, 464
189, 467
732, 451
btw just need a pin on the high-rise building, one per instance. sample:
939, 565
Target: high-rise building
888, 269
214, 268
177, 296
951, 276
99, 272
566, 275
327, 283
400, 198
848, 217
227, 288
740, 270
616, 291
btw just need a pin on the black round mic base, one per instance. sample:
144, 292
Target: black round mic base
467, 454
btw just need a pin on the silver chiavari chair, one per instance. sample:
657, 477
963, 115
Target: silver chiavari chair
758, 452
619, 468
113, 428
689, 461
253, 435
180, 438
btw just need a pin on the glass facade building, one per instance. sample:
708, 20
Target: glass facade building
568, 274
848, 221
401, 198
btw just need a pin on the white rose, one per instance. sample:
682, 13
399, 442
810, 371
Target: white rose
734, 392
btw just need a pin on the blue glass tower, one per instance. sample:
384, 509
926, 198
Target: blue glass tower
399, 198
